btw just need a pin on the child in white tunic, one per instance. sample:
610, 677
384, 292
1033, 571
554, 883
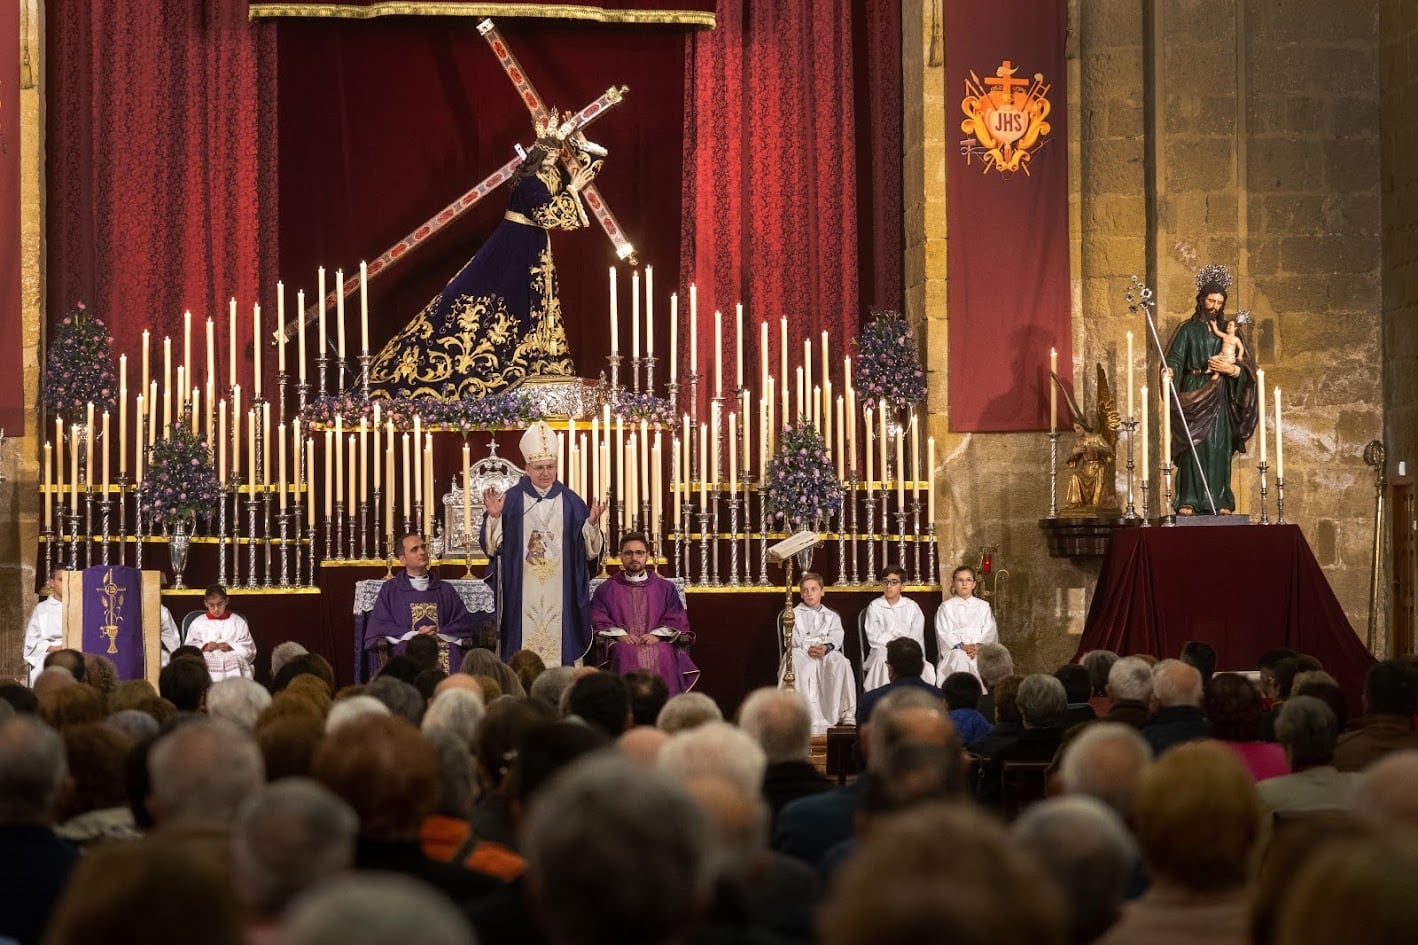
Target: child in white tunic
223, 637
962, 624
890, 616
820, 669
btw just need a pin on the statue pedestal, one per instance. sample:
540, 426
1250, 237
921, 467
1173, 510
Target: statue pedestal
1081, 537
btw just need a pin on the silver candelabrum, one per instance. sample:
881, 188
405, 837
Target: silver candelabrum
1130, 425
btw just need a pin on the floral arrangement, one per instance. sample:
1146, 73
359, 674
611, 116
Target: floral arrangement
888, 368
181, 480
802, 485
78, 369
506, 409
647, 406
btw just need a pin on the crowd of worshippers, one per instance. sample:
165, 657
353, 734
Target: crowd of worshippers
1119, 800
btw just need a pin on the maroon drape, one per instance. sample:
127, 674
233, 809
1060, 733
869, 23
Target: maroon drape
1158, 589
384, 122
792, 188
12, 375
1008, 286
160, 164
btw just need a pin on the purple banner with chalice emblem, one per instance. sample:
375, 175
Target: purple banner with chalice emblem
113, 617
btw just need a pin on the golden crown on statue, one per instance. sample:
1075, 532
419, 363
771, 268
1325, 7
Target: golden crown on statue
553, 130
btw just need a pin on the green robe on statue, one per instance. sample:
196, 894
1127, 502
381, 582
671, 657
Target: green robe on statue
1220, 412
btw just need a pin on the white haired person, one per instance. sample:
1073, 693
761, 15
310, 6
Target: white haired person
540, 537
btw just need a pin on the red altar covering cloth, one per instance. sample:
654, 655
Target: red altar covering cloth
1243, 589
698, 13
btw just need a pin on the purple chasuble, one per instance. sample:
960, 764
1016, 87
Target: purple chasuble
401, 610
639, 608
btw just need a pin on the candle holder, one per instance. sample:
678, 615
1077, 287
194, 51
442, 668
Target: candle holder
235, 532
694, 416
266, 538
251, 538
282, 378
704, 550
364, 533
842, 539
103, 524
714, 580
869, 576
932, 575
123, 483
916, 541
649, 361
1145, 522
283, 523
322, 365
329, 537
417, 522
1280, 500
635, 364
671, 393
73, 539
343, 367
763, 538
1130, 425
377, 521
297, 515
1053, 474
302, 393
733, 501
88, 524
352, 524
221, 534
138, 535
646, 526
365, 360
408, 527
680, 537
339, 529
48, 555
1263, 468
613, 361
901, 536
1166, 513
310, 546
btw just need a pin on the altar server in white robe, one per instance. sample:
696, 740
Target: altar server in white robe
45, 632
962, 624
541, 537
223, 637
890, 616
822, 672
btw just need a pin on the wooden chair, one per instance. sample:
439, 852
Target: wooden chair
1021, 784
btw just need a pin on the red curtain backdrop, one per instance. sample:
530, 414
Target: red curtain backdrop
160, 163
384, 122
679, 12
1008, 275
12, 375
792, 189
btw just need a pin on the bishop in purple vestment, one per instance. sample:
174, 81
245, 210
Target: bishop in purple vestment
417, 602
640, 614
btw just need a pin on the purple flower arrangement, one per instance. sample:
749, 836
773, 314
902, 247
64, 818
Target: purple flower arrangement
78, 369
801, 483
506, 409
632, 406
888, 367
180, 481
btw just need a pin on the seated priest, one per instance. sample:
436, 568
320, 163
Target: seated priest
223, 637
640, 615
415, 602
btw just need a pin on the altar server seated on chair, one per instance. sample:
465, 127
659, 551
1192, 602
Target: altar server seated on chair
640, 615
223, 637
822, 672
889, 617
44, 634
962, 624
417, 603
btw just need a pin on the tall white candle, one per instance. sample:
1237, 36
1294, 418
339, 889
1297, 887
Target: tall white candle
363, 308
281, 327
122, 415
364, 460
650, 311
281, 464
915, 459
300, 333
221, 440
841, 450
408, 479
256, 349
1130, 412
738, 346
1146, 412
330, 450
807, 364
187, 343
718, 353
321, 338
930, 486
676, 482
1053, 390
1261, 405
635, 315
353, 464
851, 428
762, 357
340, 313
49, 484
310, 483
1279, 441
693, 328
468, 497
231, 342
266, 443
615, 318
900, 470
103, 455
146, 367
1166, 423
339, 447
703, 467
674, 337
733, 453
870, 452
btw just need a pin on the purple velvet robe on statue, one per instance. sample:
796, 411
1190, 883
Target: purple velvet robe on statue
639, 609
400, 610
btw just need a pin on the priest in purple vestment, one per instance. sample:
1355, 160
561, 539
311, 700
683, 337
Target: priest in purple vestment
639, 613
416, 602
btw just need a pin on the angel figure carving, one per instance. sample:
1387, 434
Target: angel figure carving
1092, 489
